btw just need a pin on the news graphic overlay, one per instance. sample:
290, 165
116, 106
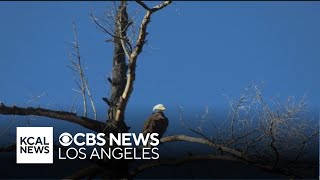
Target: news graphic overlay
118, 146
34, 145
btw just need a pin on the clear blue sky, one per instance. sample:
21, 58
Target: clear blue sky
198, 50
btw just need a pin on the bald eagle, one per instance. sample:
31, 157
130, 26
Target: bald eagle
157, 122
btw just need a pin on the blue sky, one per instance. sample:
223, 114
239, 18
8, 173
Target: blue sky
196, 52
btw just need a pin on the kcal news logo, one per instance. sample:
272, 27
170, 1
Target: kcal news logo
34, 145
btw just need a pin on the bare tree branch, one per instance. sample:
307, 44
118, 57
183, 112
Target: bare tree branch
272, 144
144, 5
132, 61
176, 162
77, 67
10, 148
265, 133
155, 8
231, 151
160, 6
102, 28
59, 115
316, 133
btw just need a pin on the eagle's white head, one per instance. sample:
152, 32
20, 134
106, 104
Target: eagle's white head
158, 108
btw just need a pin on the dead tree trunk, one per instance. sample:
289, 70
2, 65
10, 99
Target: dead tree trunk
117, 168
119, 69
123, 75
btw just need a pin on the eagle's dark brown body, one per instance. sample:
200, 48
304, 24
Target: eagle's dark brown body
157, 123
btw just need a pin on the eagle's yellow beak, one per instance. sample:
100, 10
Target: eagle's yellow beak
162, 108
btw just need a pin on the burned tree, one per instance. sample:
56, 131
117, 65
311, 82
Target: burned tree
239, 142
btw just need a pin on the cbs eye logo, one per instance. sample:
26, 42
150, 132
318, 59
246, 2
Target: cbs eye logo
65, 139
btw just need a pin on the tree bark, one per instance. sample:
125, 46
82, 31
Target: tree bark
117, 169
120, 67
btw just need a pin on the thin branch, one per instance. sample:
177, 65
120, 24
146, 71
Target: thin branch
72, 104
91, 100
242, 136
100, 26
77, 66
144, 5
36, 97
80, 70
155, 8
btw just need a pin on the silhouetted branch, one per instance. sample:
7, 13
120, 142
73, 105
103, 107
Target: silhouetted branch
10, 148
59, 115
316, 133
234, 152
102, 28
144, 5
177, 162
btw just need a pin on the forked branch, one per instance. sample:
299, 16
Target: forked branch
76, 62
132, 57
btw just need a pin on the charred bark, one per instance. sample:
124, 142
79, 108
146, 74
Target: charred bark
119, 70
